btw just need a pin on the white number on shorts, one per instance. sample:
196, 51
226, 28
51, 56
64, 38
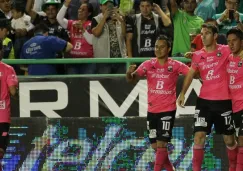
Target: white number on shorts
165, 125
232, 79
227, 120
160, 85
209, 74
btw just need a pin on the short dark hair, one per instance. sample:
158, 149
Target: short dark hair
41, 28
236, 32
19, 7
165, 38
5, 23
149, 1
212, 27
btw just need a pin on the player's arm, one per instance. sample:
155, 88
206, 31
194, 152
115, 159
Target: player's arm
131, 75
174, 7
187, 81
14, 92
29, 10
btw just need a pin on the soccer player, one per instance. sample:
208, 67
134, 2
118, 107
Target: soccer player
213, 104
8, 86
161, 73
235, 74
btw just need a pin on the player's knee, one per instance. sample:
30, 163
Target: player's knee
240, 141
229, 140
199, 138
161, 144
154, 146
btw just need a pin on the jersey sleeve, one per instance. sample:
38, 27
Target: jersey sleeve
12, 79
129, 25
183, 69
143, 68
56, 43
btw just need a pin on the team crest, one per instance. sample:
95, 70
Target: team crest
219, 54
170, 69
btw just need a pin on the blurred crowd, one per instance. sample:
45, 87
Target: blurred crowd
47, 29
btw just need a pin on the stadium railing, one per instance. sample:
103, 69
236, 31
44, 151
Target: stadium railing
127, 61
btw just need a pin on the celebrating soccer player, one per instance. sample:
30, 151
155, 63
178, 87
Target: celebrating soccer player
235, 75
161, 73
8, 85
213, 104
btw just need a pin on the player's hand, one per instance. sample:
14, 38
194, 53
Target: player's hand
131, 68
224, 16
188, 55
107, 13
157, 8
237, 16
181, 100
67, 2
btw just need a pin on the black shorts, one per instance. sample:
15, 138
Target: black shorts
214, 112
4, 135
159, 126
238, 123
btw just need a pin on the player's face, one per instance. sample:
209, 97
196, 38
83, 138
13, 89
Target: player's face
208, 38
161, 49
3, 33
190, 5
145, 8
51, 11
5, 5
83, 12
235, 44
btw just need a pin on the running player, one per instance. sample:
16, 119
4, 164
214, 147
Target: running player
213, 104
8, 86
161, 73
235, 74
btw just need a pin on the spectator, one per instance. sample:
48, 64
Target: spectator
5, 9
197, 43
185, 23
80, 36
8, 51
51, 9
21, 25
230, 17
205, 9
42, 46
109, 30
143, 28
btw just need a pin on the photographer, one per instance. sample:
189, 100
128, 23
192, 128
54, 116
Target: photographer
109, 29
230, 17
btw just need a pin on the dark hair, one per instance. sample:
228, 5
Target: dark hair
1, 50
41, 28
236, 32
19, 7
212, 27
165, 38
149, 1
5, 23
90, 10
45, 6
210, 20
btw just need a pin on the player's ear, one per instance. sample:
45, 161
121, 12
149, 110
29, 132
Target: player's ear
215, 36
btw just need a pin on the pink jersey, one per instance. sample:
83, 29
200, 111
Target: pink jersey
212, 69
81, 48
235, 75
161, 81
7, 78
